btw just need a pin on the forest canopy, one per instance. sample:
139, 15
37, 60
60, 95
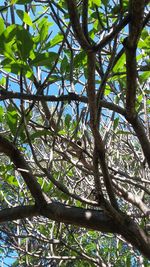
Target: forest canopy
74, 133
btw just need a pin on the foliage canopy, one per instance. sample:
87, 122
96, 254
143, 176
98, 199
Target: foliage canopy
75, 132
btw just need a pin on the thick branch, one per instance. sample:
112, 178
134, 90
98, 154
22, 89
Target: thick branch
136, 10
131, 67
19, 212
85, 19
15, 155
88, 218
75, 22
99, 220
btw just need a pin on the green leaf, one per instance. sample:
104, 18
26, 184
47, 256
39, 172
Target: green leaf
15, 40
116, 122
24, 17
68, 119
13, 2
24, 42
140, 98
12, 119
2, 26
96, 2
2, 250
43, 32
3, 81
120, 64
123, 132
64, 65
63, 196
21, 130
12, 180
62, 132
54, 78
46, 187
1, 113
44, 59
144, 44
78, 204
22, 2
80, 59
128, 261
7, 41
15, 67
144, 76
148, 101
43, 26
105, 2
107, 91
39, 134
56, 40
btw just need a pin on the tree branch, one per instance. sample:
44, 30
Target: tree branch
108, 38
75, 22
70, 97
19, 212
15, 155
140, 132
132, 198
88, 218
85, 19
136, 10
94, 127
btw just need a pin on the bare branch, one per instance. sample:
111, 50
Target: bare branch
75, 22
130, 43
94, 127
108, 38
70, 97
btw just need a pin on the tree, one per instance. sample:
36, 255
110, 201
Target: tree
75, 131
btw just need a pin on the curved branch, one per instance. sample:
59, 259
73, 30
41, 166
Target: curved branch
15, 155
